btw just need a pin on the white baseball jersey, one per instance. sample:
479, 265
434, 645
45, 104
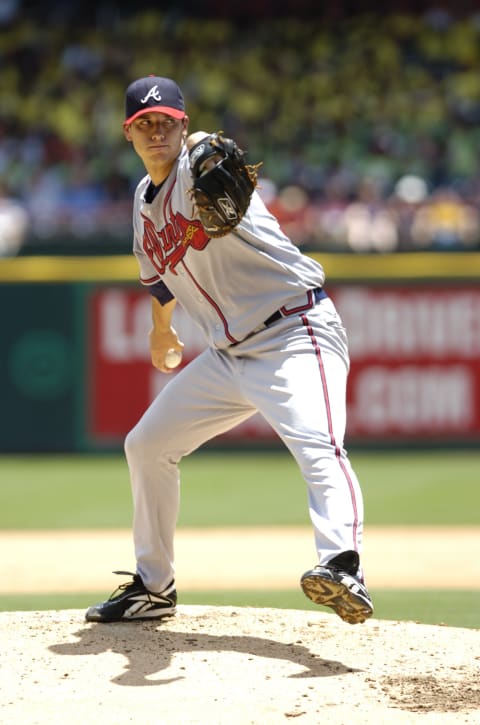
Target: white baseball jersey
228, 291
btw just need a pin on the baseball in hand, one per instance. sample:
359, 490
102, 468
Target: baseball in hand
173, 358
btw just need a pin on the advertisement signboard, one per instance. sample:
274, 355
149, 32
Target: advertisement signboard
415, 362
415, 355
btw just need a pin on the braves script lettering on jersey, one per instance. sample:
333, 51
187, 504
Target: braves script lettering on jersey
166, 247
275, 344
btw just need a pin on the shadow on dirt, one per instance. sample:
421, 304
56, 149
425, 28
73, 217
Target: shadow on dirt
149, 650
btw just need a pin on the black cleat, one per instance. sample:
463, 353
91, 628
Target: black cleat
133, 601
335, 585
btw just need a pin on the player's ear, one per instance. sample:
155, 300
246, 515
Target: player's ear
126, 133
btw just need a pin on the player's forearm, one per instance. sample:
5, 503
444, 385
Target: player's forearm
162, 315
162, 336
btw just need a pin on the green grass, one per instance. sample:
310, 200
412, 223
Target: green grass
235, 489
51, 492
249, 488
433, 488
453, 608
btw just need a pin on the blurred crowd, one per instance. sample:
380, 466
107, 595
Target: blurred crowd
368, 124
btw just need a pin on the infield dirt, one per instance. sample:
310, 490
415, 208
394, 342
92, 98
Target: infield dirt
235, 666
239, 558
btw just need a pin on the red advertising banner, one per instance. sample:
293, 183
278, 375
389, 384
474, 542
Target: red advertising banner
415, 362
415, 355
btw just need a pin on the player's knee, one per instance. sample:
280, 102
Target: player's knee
129, 445
144, 443
137, 445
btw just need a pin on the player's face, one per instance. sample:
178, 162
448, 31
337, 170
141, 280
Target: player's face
157, 138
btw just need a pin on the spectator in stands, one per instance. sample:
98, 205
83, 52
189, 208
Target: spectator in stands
14, 223
445, 223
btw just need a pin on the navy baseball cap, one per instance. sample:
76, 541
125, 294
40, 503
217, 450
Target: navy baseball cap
161, 95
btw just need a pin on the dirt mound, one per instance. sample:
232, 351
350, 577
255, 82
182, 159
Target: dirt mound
240, 666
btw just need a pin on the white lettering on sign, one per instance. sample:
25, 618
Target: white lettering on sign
125, 321
124, 327
412, 398
390, 324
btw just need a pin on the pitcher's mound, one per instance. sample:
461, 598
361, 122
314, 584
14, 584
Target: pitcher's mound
235, 666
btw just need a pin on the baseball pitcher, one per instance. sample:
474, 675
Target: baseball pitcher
204, 238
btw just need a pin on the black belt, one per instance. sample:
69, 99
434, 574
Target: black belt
314, 296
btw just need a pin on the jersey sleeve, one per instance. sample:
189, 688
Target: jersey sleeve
148, 273
160, 291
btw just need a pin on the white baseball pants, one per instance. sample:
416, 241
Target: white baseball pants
295, 374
